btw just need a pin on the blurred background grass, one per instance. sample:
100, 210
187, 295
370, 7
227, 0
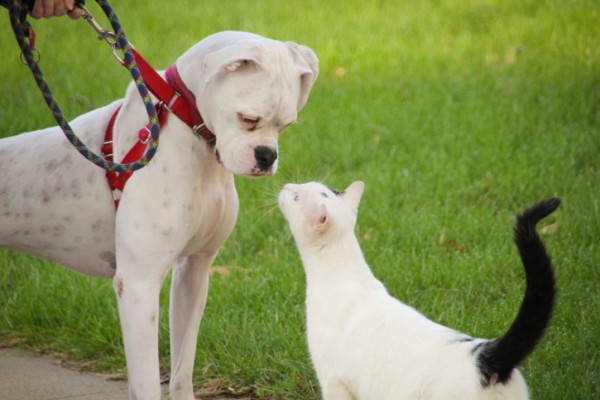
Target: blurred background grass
457, 115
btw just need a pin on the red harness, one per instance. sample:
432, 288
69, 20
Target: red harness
173, 96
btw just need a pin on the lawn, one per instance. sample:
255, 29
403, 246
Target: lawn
457, 115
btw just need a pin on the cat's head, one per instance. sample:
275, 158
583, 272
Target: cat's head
315, 211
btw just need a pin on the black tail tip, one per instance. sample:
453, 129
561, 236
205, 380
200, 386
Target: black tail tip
540, 210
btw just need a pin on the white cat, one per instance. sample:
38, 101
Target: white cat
366, 345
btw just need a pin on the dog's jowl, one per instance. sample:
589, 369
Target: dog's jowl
174, 213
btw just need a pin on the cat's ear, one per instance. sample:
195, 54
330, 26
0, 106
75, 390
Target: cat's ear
317, 215
353, 194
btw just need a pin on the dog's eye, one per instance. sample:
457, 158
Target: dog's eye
324, 195
295, 196
248, 122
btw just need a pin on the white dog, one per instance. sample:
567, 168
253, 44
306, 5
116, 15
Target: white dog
177, 211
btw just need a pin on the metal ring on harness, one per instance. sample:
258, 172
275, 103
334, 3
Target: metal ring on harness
18, 19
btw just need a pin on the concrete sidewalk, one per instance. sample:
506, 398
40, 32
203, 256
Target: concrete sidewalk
28, 376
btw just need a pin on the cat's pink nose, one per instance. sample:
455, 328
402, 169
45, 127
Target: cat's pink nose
289, 191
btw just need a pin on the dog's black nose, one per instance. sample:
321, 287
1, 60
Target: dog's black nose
265, 157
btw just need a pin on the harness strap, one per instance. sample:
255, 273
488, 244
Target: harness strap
173, 96
117, 180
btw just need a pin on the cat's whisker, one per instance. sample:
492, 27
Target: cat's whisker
269, 206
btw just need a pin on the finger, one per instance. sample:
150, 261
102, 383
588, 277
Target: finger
75, 13
48, 6
59, 8
38, 9
59, 12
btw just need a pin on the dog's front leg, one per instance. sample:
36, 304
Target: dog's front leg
138, 299
189, 290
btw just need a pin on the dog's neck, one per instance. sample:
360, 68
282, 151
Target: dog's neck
185, 106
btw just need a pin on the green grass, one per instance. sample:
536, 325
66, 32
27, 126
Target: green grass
457, 115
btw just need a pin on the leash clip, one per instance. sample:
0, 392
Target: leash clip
103, 34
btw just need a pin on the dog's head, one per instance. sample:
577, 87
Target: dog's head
252, 89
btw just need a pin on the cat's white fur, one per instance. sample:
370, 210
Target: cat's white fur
365, 344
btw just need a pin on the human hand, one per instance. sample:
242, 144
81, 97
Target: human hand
55, 8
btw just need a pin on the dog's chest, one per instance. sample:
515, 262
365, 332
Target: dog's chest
213, 214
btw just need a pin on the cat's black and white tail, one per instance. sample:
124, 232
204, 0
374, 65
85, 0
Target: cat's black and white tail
497, 358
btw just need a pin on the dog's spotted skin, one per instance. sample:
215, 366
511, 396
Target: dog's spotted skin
177, 211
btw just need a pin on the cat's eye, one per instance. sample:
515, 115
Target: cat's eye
336, 192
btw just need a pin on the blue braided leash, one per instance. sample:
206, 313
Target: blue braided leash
21, 28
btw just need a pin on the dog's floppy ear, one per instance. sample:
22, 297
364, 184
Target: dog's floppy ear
353, 194
232, 57
308, 66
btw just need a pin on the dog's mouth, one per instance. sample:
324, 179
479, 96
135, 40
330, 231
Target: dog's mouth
261, 167
257, 173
